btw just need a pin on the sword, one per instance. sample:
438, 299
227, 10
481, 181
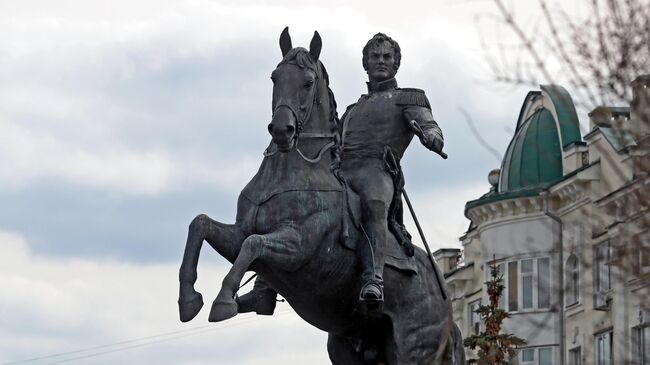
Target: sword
426, 245
389, 153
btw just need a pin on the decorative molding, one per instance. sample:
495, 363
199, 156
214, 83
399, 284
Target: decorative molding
505, 209
571, 193
626, 202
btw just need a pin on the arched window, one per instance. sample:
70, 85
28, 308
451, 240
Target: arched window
572, 284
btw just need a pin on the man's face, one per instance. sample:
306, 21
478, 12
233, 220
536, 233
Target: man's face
381, 62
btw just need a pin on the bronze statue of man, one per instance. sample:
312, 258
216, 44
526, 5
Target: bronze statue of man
376, 131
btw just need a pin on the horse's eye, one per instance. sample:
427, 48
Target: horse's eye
308, 84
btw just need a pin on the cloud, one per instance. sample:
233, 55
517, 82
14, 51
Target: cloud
120, 121
69, 221
27, 156
57, 305
110, 103
433, 208
124, 123
148, 98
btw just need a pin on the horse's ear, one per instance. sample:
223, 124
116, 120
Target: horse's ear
315, 46
285, 41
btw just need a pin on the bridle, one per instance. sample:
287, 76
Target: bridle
301, 122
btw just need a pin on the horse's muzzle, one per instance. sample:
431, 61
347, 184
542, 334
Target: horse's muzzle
283, 128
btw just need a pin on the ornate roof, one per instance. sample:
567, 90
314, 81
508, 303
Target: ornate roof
547, 122
547, 125
534, 155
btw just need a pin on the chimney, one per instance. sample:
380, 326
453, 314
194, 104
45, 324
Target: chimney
609, 117
640, 120
640, 110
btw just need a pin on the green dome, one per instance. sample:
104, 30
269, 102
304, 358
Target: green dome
534, 156
547, 126
547, 123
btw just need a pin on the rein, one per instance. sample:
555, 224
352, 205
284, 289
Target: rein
322, 151
301, 123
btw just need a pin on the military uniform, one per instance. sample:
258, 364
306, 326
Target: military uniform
377, 124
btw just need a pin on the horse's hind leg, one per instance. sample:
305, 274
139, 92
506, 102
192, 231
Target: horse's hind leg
224, 238
342, 352
254, 246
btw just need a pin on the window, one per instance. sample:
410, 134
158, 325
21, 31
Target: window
527, 284
572, 285
536, 356
527, 356
644, 253
513, 292
602, 275
575, 356
546, 356
602, 267
641, 340
456, 261
543, 283
474, 318
604, 348
501, 269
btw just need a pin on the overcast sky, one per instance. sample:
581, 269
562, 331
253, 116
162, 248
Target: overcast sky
120, 121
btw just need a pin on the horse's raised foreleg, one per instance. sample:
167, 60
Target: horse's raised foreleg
224, 238
285, 241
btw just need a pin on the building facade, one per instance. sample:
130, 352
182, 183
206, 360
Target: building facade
566, 221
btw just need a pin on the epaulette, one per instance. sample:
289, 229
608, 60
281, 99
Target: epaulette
347, 110
408, 96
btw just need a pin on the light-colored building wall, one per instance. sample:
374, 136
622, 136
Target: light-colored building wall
590, 222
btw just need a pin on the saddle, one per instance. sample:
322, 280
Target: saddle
397, 255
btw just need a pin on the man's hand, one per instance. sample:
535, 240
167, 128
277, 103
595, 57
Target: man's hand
429, 140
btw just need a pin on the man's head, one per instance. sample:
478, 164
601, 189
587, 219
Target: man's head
381, 58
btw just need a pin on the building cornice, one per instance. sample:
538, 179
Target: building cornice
449, 278
628, 200
503, 209
574, 192
570, 189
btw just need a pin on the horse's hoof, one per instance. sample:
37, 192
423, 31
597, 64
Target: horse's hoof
222, 310
190, 308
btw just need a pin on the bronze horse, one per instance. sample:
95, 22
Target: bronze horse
293, 228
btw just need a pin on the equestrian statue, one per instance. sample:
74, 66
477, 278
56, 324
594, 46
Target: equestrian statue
321, 221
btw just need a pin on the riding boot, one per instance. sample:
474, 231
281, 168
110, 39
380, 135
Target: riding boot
260, 300
372, 289
372, 253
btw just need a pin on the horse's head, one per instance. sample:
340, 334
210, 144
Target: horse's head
298, 84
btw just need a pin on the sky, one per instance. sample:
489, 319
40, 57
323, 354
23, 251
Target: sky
120, 121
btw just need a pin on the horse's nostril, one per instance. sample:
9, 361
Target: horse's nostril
270, 128
290, 129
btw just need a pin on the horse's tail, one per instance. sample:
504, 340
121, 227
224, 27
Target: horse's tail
451, 351
456, 346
